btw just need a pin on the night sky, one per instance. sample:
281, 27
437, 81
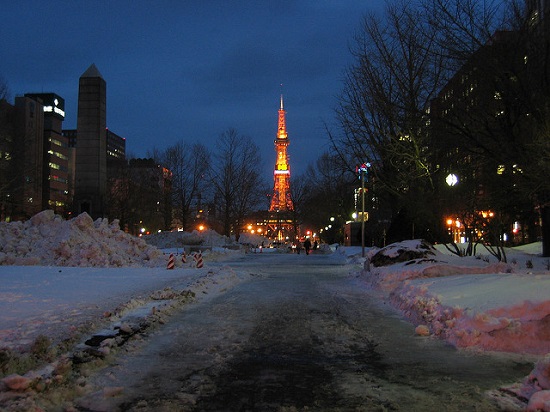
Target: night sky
190, 69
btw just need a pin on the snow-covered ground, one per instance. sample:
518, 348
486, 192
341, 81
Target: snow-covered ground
65, 280
474, 302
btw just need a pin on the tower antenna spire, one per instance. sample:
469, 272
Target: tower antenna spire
282, 106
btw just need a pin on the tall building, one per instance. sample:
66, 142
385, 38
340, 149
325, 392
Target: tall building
281, 224
116, 147
6, 155
28, 152
55, 153
91, 152
33, 156
537, 11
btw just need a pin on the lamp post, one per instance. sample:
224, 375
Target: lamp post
452, 180
363, 172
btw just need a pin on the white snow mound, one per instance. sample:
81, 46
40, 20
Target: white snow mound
48, 240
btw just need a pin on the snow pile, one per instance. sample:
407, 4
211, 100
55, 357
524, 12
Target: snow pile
490, 306
474, 303
412, 259
49, 240
253, 239
535, 388
462, 309
402, 252
206, 239
168, 240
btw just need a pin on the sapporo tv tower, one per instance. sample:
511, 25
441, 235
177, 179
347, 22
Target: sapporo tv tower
281, 208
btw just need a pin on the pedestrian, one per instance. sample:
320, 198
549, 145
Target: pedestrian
307, 245
315, 245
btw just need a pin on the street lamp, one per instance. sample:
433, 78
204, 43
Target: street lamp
363, 172
451, 179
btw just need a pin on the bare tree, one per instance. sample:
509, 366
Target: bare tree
462, 27
4, 89
235, 177
499, 124
325, 192
189, 167
501, 50
119, 197
299, 190
383, 107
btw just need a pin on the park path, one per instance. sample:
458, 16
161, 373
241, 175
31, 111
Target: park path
303, 334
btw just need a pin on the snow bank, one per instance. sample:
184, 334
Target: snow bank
206, 239
535, 388
47, 239
499, 312
473, 303
466, 300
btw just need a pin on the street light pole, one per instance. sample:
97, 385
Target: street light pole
362, 217
363, 175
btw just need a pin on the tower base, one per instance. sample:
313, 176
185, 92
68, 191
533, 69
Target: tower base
280, 226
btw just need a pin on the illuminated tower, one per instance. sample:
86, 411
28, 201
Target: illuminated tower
281, 199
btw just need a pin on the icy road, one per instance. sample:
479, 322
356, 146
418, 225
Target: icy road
303, 334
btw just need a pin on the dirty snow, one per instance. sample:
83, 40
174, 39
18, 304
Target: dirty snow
473, 302
63, 278
477, 303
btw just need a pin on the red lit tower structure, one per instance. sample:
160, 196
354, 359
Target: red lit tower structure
281, 199
281, 207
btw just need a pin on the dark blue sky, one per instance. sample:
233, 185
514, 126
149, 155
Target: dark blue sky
190, 69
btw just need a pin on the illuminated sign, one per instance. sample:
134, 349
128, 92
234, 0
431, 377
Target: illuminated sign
363, 168
282, 172
53, 103
54, 108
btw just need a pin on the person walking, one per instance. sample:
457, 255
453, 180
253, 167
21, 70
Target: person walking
307, 245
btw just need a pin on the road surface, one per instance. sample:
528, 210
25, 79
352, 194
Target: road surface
304, 334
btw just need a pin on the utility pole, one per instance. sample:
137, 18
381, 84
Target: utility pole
363, 172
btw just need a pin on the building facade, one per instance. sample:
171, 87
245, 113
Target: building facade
28, 153
7, 136
79, 170
91, 152
116, 146
34, 156
56, 186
